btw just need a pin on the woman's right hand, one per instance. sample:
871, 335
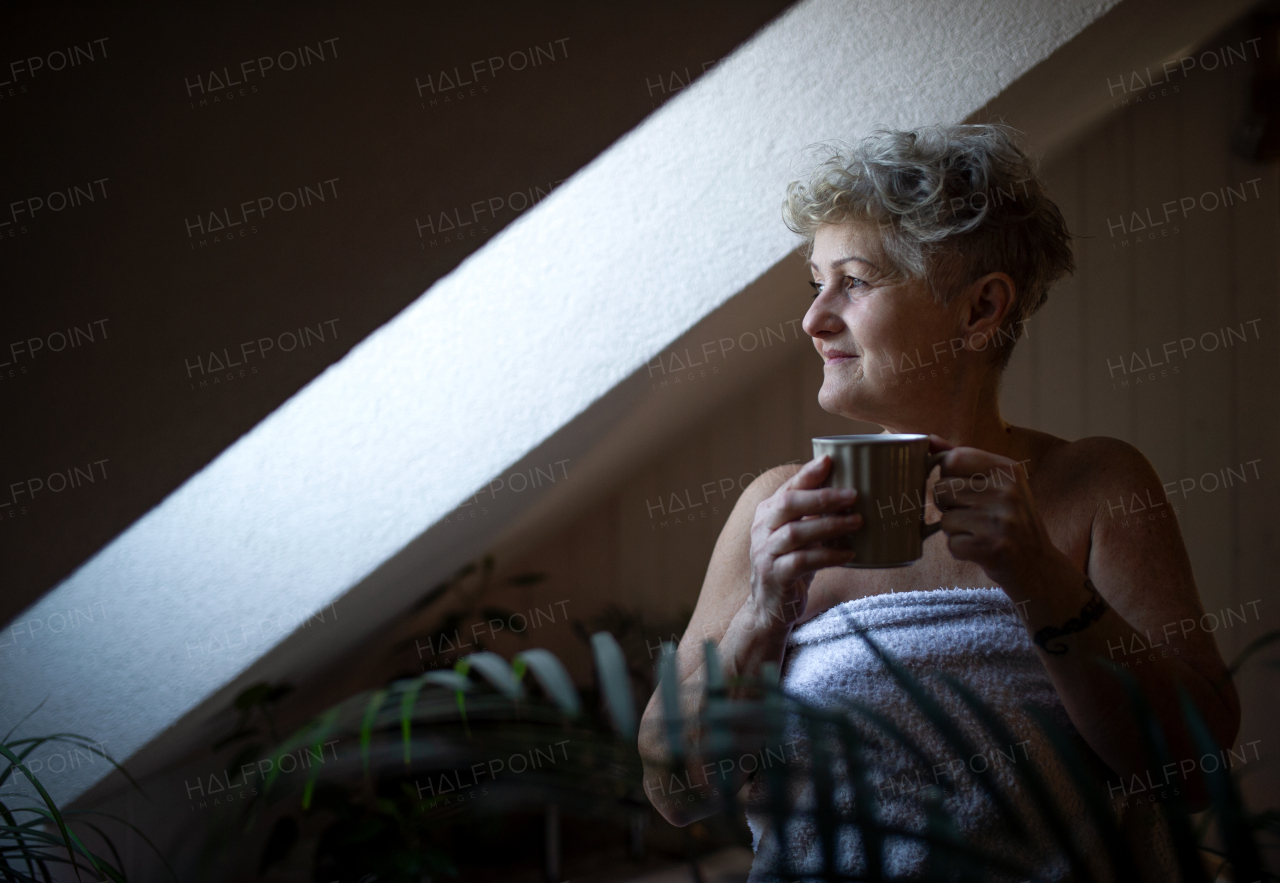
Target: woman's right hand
786, 541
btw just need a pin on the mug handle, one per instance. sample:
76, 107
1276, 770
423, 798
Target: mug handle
930, 461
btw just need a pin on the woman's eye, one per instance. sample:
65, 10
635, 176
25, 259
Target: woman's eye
849, 282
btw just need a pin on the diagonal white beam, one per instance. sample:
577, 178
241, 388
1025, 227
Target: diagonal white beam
671, 221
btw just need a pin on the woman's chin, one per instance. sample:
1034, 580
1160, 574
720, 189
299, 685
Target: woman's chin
848, 403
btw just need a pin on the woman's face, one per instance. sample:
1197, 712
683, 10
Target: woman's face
884, 340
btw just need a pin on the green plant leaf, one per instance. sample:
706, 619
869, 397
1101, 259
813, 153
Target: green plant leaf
952, 735
449, 679
462, 667
131, 826
69, 739
1156, 750
54, 814
312, 733
102, 867
115, 853
553, 678
714, 672
496, 671
889, 728
29, 843
1043, 799
823, 778
406, 712
25, 718
1233, 819
615, 683
376, 701
947, 859
718, 742
941, 838
864, 802
1254, 646
776, 778
672, 719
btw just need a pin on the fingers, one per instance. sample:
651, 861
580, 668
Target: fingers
992, 538
791, 505
964, 546
964, 461
803, 495
972, 477
967, 521
959, 493
795, 564
972, 536
799, 534
791, 525
811, 475
938, 443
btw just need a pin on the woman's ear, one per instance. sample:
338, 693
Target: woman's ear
988, 301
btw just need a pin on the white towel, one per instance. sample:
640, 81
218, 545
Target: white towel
976, 636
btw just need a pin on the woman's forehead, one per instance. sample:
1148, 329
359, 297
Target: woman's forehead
834, 244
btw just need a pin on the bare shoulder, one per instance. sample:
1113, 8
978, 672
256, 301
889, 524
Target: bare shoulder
770, 480
730, 557
1102, 453
1092, 470
728, 578
1135, 552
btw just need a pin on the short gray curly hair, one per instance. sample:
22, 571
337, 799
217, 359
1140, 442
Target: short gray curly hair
952, 203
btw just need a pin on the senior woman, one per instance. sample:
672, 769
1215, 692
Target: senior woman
929, 251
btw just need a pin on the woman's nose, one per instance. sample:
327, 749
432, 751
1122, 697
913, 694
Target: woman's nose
820, 317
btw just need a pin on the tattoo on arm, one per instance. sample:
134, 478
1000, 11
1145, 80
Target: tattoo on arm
1090, 613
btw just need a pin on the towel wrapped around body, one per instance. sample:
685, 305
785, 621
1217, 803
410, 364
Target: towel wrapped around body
976, 636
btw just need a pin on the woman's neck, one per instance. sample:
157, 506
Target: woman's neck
968, 418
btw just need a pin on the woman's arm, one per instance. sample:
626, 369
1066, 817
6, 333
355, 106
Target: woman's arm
1137, 591
755, 589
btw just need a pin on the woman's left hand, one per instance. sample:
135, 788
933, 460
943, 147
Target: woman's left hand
988, 514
